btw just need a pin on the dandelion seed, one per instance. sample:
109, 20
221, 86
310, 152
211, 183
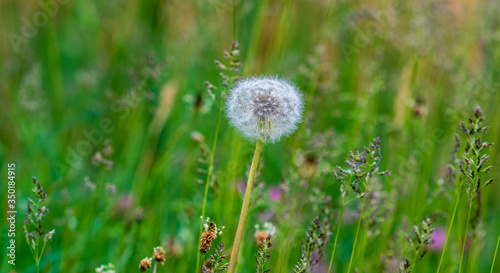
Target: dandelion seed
264, 108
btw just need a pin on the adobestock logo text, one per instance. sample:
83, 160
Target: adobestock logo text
30, 26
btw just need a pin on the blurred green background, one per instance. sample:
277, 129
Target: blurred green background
133, 72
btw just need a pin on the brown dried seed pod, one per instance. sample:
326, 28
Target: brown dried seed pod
145, 264
206, 240
260, 236
159, 255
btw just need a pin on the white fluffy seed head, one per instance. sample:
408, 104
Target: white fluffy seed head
265, 108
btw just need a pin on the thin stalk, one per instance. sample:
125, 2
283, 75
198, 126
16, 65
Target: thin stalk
337, 235
32, 252
207, 184
494, 256
449, 229
234, 21
154, 268
414, 261
473, 253
37, 255
465, 237
244, 208
357, 232
41, 252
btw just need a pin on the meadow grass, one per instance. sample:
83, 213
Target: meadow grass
133, 72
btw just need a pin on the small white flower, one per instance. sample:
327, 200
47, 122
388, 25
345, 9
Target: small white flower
264, 108
109, 268
268, 227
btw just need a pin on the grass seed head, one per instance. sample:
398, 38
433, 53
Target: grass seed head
159, 255
210, 233
145, 264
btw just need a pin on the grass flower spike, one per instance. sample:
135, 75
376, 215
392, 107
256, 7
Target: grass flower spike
38, 238
264, 108
158, 257
216, 262
145, 264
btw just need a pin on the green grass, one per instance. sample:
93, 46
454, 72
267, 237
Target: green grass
364, 69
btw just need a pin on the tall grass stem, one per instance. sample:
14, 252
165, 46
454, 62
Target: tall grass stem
414, 261
207, 184
465, 238
337, 235
449, 229
356, 237
495, 256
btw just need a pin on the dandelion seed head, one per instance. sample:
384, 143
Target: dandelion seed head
265, 108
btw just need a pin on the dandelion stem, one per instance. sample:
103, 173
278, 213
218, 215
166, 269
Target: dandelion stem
244, 208
494, 256
449, 228
465, 238
337, 235
207, 184
357, 232
154, 268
